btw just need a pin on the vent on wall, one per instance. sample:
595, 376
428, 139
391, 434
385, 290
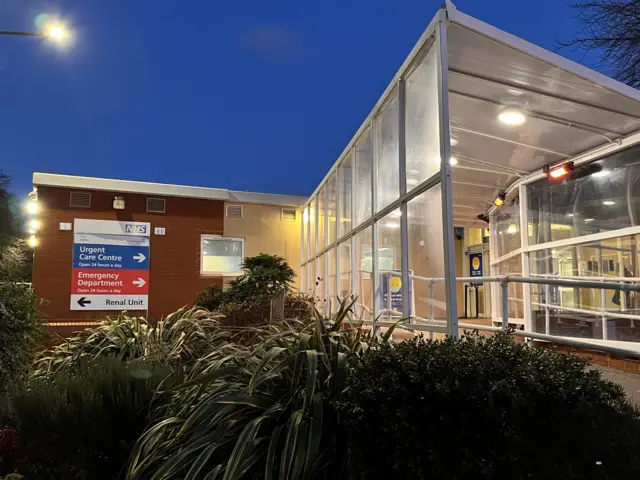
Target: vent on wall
234, 211
80, 200
288, 215
156, 205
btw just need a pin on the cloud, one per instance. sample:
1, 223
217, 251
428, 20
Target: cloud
272, 41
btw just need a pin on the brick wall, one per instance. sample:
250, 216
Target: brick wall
175, 278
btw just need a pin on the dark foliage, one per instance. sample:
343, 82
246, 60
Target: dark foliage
20, 330
611, 31
486, 409
78, 424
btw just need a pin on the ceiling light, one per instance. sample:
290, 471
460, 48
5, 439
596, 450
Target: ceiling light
392, 225
512, 117
601, 173
512, 229
453, 161
608, 202
569, 214
588, 220
453, 141
499, 201
556, 173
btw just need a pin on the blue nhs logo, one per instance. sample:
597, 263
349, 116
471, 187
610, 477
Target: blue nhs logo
129, 228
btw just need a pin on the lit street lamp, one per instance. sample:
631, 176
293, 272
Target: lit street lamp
55, 33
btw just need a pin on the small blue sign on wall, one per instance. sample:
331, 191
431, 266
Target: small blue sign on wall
475, 267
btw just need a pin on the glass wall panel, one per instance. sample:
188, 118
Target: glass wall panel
614, 259
320, 284
331, 281
332, 211
312, 278
389, 295
512, 266
387, 164
426, 257
303, 278
322, 205
312, 227
364, 169
605, 197
422, 121
363, 280
344, 179
304, 253
344, 291
508, 228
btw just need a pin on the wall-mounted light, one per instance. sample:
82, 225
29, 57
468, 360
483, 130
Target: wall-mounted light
32, 241
499, 201
119, 203
32, 207
34, 224
556, 173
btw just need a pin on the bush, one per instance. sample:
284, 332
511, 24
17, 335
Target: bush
247, 300
20, 331
257, 412
79, 425
486, 408
178, 339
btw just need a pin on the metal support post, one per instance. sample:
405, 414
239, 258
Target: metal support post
504, 284
547, 316
603, 307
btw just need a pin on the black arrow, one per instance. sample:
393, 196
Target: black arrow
83, 302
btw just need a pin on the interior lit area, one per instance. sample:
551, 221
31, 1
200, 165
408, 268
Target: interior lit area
485, 157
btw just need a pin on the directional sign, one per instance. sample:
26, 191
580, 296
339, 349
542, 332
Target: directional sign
110, 265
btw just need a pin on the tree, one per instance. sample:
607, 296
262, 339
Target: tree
610, 31
13, 256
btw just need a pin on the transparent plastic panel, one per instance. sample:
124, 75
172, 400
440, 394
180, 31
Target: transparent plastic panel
363, 280
387, 164
426, 254
344, 289
332, 211
322, 206
345, 179
389, 255
508, 227
331, 281
320, 284
422, 122
364, 169
313, 214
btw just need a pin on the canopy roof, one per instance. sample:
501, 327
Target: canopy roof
569, 109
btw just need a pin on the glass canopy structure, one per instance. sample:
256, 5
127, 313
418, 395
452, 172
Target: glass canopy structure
465, 138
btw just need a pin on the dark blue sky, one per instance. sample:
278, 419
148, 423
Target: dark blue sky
245, 94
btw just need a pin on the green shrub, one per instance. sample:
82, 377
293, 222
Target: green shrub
486, 409
262, 411
80, 424
178, 339
20, 330
247, 299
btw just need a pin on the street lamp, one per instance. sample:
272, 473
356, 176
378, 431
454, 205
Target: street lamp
54, 32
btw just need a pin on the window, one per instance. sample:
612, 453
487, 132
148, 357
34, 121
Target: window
363, 166
387, 163
344, 182
221, 255
234, 211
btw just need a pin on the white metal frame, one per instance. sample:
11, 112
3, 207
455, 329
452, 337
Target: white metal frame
210, 237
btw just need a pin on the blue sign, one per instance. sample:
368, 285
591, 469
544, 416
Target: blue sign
391, 284
475, 267
128, 257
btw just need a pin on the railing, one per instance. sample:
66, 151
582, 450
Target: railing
431, 324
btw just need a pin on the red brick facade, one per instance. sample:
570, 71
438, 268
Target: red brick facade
175, 277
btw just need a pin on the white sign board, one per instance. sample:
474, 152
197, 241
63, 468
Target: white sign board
110, 265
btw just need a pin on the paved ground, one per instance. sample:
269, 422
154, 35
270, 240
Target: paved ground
630, 381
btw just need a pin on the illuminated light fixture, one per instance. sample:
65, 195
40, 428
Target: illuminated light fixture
556, 173
31, 231
499, 201
454, 141
453, 161
512, 117
32, 207
119, 203
512, 229
588, 220
32, 242
608, 202
570, 214
601, 173
34, 224
392, 225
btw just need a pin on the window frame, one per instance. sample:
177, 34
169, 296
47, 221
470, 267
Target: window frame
209, 236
